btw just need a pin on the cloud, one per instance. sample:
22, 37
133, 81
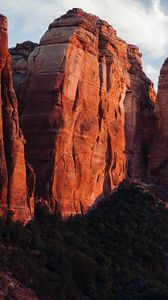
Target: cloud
141, 22
142, 25
151, 70
152, 73
135, 21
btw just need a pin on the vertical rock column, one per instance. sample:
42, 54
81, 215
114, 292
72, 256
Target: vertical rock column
13, 188
85, 92
74, 114
3, 166
139, 117
158, 156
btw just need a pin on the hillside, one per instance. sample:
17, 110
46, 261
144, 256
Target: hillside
116, 251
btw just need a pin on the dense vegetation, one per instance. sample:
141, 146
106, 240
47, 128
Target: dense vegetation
116, 251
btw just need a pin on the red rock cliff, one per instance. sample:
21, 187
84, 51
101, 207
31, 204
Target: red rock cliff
158, 156
139, 117
79, 79
19, 58
13, 188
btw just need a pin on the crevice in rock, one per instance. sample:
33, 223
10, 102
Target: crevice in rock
119, 110
100, 114
73, 156
75, 104
115, 113
114, 164
108, 157
109, 61
100, 74
98, 178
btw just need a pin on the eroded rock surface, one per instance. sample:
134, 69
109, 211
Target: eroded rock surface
13, 189
139, 117
158, 156
19, 58
79, 79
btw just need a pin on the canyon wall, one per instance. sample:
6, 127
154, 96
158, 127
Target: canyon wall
19, 65
88, 112
15, 196
139, 117
158, 156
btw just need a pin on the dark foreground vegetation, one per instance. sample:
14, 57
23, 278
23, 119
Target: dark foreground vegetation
117, 251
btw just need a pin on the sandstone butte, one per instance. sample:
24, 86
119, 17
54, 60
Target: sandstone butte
16, 188
88, 113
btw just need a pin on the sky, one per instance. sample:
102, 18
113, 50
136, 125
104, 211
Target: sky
140, 22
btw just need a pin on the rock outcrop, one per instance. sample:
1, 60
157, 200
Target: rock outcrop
19, 58
80, 78
13, 187
139, 117
158, 156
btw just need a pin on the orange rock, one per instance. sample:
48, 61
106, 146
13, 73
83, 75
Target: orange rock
19, 57
13, 189
80, 88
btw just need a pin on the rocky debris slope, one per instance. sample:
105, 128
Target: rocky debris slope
19, 58
158, 156
14, 194
81, 85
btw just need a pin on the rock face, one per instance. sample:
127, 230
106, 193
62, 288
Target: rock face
19, 58
13, 188
158, 156
82, 83
139, 117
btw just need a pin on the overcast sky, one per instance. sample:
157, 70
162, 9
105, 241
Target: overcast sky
140, 22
